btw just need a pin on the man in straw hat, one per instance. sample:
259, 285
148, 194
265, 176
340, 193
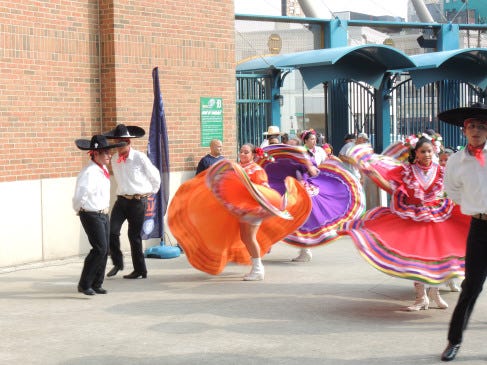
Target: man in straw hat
272, 134
137, 178
362, 138
466, 184
91, 201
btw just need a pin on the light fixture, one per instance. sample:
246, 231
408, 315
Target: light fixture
280, 98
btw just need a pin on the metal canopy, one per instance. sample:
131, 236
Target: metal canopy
361, 63
468, 65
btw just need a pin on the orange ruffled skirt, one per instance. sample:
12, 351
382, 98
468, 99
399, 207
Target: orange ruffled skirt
205, 218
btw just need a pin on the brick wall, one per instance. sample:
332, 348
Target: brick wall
74, 68
49, 89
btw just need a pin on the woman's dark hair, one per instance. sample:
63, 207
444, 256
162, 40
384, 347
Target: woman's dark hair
306, 134
430, 132
419, 144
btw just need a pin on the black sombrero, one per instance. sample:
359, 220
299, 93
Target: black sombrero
458, 115
125, 131
97, 142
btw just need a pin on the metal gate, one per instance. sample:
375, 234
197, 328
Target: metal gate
361, 108
414, 109
253, 108
351, 105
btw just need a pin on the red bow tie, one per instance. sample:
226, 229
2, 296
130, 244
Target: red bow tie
477, 152
122, 158
104, 169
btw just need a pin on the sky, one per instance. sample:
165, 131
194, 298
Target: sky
372, 7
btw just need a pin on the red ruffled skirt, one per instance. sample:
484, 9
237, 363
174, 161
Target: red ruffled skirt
431, 252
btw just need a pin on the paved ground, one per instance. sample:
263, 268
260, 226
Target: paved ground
335, 310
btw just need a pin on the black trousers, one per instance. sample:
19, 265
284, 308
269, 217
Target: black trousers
475, 274
96, 226
132, 210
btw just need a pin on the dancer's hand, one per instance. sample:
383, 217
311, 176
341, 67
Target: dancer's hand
313, 171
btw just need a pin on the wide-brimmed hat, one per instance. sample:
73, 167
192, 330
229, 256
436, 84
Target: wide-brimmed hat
363, 135
458, 115
97, 142
272, 130
125, 131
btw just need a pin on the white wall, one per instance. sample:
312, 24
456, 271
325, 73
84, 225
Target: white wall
21, 223
37, 221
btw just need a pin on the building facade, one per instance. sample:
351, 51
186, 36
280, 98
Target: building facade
75, 68
466, 11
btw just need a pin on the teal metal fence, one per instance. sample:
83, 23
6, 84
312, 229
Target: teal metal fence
412, 110
253, 108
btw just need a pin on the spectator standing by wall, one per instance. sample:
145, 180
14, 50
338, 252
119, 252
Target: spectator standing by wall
212, 157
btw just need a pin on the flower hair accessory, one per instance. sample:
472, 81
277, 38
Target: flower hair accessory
307, 132
327, 148
261, 154
435, 139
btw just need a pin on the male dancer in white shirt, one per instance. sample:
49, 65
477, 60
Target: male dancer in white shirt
91, 201
466, 184
137, 178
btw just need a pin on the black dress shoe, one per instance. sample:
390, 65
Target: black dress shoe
100, 290
450, 352
113, 271
88, 291
135, 275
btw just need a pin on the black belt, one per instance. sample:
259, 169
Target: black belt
135, 196
481, 216
101, 211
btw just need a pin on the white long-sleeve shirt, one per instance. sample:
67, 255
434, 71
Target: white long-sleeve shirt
466, 182
137, 175
319, 154
92, 192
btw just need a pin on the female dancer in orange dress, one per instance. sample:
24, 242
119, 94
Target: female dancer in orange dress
249, 227
228, 213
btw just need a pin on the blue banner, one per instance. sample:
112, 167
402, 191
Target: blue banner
158, 152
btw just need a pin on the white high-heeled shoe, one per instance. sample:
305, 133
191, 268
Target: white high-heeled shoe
257, 272
452, 284
434, 295
422, 302
305, 255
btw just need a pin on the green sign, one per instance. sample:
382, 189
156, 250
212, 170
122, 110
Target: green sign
211, 113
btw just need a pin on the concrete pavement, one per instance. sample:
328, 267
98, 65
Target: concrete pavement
334, 310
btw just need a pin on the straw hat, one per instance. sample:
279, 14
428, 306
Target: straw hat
272, 130
363, 135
